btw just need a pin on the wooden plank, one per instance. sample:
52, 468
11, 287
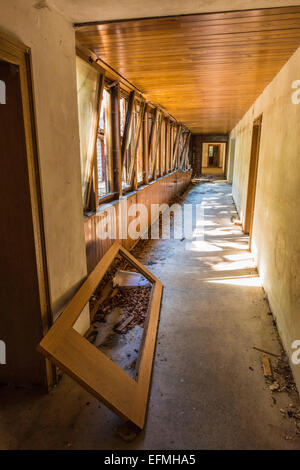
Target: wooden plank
188, 150
127, 130
162, 148
172, 140
267, 366
155, 156
116, 139
185, 150
266, 352
176, 145
93, 171
90, 367
133, 163
152, 139
145, 146
181, 156
146, 365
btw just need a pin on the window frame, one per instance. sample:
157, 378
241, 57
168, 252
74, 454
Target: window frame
154, 139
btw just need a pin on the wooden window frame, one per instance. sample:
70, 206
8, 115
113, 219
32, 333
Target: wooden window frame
132, 138
91, 201
90, 367
153, 148
96, 199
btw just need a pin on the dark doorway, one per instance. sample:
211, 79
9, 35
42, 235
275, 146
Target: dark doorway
213, 156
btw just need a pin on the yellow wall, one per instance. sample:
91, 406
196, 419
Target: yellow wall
276, 228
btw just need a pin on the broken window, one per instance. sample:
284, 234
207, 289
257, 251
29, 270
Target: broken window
100, 367
163, 148
123, 111
133, 158
154, 144
162, 155
103, 148
139, 156
88, 83
126, 184
118, 311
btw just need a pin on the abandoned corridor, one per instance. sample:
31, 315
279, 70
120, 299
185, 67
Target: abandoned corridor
208, 389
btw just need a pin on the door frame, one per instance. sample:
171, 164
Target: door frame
252, 178
219, 144
16, 53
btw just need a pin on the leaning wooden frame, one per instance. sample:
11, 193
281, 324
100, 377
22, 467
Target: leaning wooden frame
90, 367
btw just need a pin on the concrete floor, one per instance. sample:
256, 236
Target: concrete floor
208, 390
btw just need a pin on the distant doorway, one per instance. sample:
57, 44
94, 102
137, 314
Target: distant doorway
252, 179
213, 158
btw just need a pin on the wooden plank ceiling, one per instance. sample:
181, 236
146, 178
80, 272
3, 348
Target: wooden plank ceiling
206, 70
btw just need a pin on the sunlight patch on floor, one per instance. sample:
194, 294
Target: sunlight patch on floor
244, 281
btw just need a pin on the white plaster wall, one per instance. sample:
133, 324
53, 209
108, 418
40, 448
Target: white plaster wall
52, 42
95, 10
276, 228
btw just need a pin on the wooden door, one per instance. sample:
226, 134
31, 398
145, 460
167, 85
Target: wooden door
250, 205
23, 292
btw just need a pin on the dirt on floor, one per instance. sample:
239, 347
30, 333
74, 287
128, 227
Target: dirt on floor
119, 314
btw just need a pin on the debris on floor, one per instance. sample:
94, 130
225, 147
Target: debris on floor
130, 279
280, 379
292, 412
236, 221
267, 366
279, 375
266, 352
118, 306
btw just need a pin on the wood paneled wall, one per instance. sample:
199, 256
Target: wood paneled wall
162, 190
